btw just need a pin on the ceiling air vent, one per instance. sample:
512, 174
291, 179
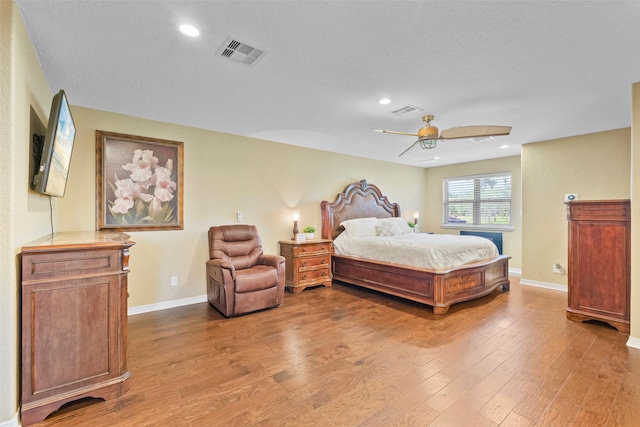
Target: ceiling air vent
240, 52
407, 110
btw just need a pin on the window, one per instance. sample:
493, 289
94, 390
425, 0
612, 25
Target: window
478, 201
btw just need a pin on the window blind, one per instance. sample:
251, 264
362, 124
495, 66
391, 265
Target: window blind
483, 200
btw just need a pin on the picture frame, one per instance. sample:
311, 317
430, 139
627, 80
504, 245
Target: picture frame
139, 183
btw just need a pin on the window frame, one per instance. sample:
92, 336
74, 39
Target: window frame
476, 202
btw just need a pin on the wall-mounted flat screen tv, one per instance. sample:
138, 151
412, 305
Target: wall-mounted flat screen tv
51, 177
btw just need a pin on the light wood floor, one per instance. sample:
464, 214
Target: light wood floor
350, 357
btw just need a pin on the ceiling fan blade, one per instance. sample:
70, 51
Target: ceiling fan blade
409, 148
395, 132
466, 132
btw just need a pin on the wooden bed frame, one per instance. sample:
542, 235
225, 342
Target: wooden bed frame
438, 288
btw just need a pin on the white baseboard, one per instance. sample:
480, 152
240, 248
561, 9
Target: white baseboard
545, 285
14, 422
516, 272
132, 311
633, 342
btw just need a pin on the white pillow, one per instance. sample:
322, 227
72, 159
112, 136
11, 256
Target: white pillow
384, 230
360, 227
397, 224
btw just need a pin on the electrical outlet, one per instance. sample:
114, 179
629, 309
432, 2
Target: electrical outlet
239, 216
557, 268
174, 280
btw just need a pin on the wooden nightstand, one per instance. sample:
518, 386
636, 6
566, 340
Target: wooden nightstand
307, 263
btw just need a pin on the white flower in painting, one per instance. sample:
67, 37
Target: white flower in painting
121, 206
162, 174
124, 196
164, 186
126, 192
141, 165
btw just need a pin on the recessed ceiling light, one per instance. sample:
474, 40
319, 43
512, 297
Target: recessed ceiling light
384, 101
433, 159
189, 30
504, 146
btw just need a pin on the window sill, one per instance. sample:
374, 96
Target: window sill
463, 226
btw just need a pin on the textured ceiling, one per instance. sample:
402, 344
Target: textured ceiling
550, 69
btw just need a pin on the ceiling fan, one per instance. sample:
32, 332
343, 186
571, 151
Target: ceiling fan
428, 135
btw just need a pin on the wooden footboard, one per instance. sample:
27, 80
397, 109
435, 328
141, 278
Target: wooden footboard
438, 288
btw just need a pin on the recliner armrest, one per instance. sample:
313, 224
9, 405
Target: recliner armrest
271, 260
221, 269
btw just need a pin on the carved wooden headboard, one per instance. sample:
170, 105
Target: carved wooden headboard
359, 200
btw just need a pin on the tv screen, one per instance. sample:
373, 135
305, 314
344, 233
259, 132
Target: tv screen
51, 177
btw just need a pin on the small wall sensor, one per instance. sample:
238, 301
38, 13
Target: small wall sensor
570, 197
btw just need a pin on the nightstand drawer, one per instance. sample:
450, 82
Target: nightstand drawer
313, 261
311, 249
311, 275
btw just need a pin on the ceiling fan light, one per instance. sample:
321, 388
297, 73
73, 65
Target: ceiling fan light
427, 143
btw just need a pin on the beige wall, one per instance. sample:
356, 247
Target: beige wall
595, 166
223, 174
24, 215
431, 215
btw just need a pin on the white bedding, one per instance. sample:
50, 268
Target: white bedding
436, 251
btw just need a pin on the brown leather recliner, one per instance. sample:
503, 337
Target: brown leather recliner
240, 278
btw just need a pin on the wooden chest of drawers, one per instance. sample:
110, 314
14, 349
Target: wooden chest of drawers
307, 263
599, 262
74, 320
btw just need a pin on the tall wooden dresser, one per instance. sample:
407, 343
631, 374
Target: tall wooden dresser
599, 261
74, 320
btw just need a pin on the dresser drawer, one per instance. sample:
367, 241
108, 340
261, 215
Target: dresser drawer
587, 210
60, 265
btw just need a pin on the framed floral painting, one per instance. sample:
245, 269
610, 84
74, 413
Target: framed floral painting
138, 183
